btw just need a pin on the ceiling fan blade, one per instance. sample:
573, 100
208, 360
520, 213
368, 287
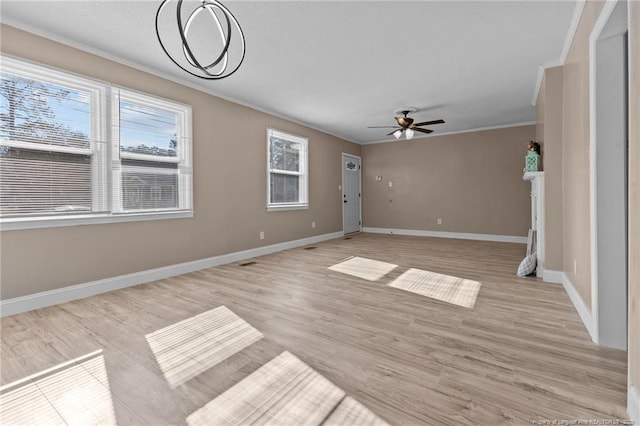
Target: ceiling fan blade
383, 127
428, 123
417, 129
389, 134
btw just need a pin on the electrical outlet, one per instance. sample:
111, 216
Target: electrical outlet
262, 235
313, 224
439, 221
390, 184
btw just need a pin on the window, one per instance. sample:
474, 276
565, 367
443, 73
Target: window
59, 168
152, 163
288, 173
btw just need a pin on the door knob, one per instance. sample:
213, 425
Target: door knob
345, 201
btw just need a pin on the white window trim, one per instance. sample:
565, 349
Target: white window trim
49, 148
184, 170
304, 171
16, 224
102, 130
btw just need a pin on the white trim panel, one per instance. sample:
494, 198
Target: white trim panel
541, 70
79, 291
551, 276
633, 403
284, 207
536, 89
440, 234
62, 221
581, 307
633, 391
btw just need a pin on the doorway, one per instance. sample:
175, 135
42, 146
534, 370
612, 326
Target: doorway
351, 193
609, 175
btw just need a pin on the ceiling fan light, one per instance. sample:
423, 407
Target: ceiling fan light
409, 133
397, 133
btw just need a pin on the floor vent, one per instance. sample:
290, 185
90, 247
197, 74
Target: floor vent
248, 263
310, 248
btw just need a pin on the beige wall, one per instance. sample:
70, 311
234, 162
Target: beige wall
575, 166
575, 156
549, 133
634, 197
229, 196
473, 181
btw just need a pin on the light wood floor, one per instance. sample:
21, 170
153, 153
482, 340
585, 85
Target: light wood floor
520, 354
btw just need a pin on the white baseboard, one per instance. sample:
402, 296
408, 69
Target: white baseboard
551, 276
583, 311
633, 403
66, 294
441, 234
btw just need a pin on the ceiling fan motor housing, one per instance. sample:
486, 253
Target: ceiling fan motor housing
404, 121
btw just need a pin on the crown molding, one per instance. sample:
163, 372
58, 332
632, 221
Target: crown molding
573, 26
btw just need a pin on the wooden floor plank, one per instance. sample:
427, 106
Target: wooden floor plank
521, 353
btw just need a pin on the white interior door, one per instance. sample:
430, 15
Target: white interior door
351, 193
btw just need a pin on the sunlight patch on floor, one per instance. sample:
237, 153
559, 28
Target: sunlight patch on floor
188, 348
364, 268
446, 288
285, 391
68, 393
351, 412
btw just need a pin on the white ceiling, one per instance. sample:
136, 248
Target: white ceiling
340, 66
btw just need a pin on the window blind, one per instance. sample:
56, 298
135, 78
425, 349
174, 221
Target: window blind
56, 159
48, 148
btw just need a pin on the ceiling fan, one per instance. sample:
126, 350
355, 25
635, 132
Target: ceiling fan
407, 126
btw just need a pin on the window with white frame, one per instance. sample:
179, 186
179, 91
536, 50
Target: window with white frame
288, 176
65, 160
152, 159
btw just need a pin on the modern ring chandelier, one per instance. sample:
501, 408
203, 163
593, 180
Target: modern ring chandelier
179, 46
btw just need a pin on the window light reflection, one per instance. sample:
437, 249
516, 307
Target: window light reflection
447, 288
188, 348
364, 268
74, 392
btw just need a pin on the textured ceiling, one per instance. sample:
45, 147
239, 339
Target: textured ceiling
340, 66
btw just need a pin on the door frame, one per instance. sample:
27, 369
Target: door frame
342, 158
602, 21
